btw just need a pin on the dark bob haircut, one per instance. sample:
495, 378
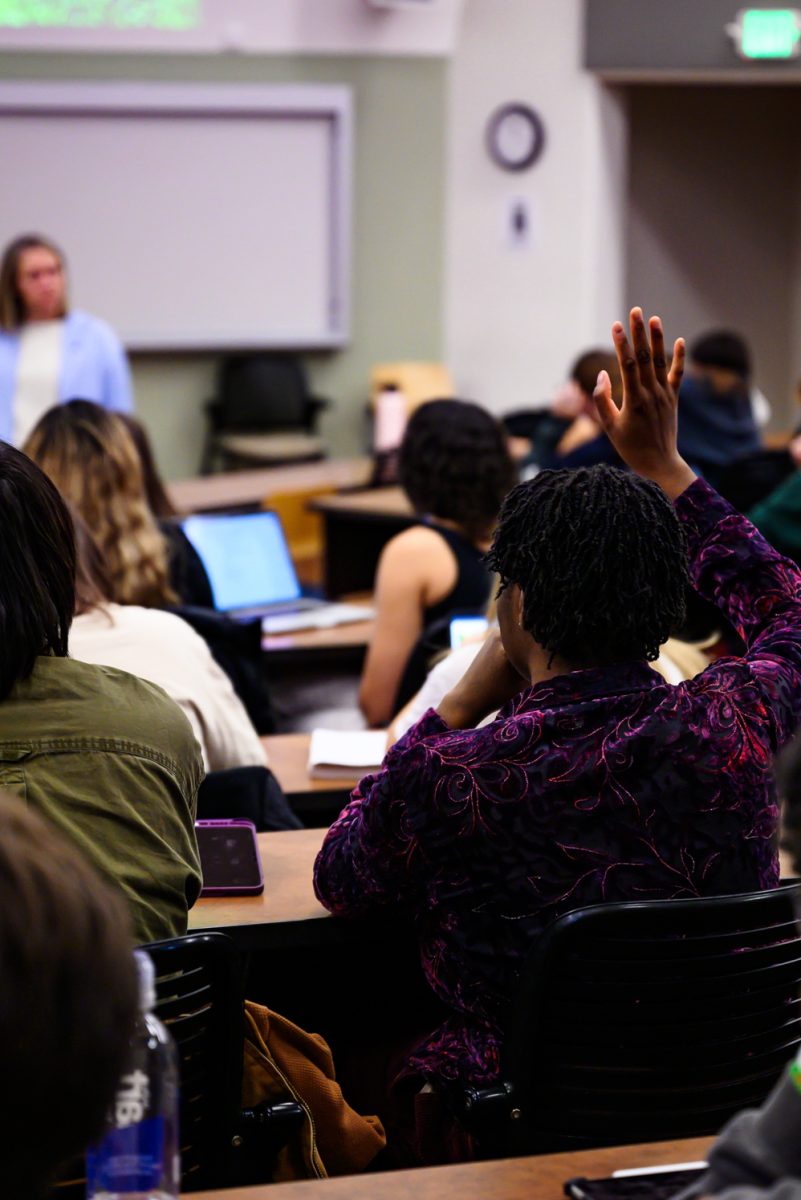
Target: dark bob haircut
37, 568
69, 999
454, 464
601, 559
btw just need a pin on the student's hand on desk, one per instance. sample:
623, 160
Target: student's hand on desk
488, 683
644, 429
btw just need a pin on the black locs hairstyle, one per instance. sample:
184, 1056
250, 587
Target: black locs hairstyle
601, 560
454, 464
37, 568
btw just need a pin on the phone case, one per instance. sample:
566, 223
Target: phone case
253, 888
648, 1184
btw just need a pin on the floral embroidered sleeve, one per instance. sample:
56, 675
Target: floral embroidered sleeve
760, 592
370, 855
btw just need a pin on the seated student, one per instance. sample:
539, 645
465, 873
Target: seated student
717, 425
91, 458
569, 426
757, 1156
677, 661
187, 573
455, 469
584, 443
70, 999
160, 647
106, 757
597, 781
778, 517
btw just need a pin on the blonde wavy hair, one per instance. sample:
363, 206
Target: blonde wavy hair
91, 457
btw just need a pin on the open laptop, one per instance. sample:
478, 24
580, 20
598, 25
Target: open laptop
252, 574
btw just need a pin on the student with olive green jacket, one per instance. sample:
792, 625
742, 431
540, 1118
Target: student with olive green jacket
106, 757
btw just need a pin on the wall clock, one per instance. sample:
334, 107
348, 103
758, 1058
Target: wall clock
515, 137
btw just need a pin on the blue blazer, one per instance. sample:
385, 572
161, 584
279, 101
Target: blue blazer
93, 367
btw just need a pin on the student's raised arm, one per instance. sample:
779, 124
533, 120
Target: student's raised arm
730, 563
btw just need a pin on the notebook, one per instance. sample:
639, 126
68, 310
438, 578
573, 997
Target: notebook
251, 573
339, 754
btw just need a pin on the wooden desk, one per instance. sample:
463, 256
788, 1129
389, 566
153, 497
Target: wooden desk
287, 909
242, 489
343, 979
341, 641
357, 527
539, 1178
316, 801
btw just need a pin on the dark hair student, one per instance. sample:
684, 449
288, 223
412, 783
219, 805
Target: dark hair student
454, 464
455, 469
561, 770
611, 594
37, 568
69, 1000
107, 757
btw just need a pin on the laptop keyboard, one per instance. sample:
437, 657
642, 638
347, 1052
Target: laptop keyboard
324, 617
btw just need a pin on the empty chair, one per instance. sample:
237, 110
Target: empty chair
263, 413
639, 1022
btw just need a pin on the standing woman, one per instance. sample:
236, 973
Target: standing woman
49, 353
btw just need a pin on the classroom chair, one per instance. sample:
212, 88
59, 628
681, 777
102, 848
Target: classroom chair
642, 1022
263, 414
199, 982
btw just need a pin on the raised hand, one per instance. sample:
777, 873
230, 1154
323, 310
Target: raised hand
643, 430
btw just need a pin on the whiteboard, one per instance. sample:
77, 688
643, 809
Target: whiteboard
191, 217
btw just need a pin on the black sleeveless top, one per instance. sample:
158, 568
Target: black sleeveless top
470, 593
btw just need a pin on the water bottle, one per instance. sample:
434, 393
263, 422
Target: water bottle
137, 1157
391, 414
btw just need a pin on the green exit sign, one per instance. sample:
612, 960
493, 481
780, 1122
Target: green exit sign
767, 33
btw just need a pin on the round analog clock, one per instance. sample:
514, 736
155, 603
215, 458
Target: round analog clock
515, 137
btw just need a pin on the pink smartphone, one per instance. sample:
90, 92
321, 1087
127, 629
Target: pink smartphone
229, 858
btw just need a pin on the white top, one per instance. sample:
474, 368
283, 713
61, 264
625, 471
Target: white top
41, 345
163, 649
677, 661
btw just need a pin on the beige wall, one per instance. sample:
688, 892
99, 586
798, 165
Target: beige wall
516, 318
397, 279
713, 235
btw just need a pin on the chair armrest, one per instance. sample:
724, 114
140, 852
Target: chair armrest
262, 1133
484, 1112
313, 406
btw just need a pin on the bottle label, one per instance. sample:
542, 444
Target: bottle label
130, 1159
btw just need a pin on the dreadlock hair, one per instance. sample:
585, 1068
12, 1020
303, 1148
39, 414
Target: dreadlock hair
601, 560
454, 464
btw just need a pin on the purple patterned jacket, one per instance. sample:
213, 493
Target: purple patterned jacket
601, 784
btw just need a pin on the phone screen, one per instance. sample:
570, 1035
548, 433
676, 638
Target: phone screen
229, 858
464, 628
659, 1184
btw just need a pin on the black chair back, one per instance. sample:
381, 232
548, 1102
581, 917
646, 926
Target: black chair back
259, 392
236, 647
640, 1022
199, 999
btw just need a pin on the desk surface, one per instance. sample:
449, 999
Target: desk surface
355, 636
288, 898
288, 754
379, 502
539, 1178
239, 488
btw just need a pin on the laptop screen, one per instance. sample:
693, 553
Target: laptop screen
246, 558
